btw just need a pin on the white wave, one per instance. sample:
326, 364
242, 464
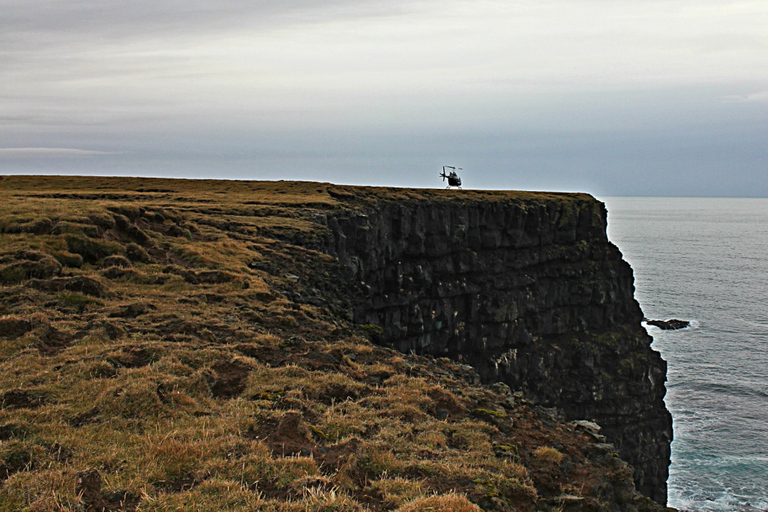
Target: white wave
728, 501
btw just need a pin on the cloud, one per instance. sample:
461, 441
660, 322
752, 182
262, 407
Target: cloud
754, 97
50, 153
116, 21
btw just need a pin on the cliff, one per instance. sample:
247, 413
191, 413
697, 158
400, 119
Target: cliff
525, 288
178, 344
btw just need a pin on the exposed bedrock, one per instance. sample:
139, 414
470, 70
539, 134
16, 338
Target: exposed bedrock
528, 290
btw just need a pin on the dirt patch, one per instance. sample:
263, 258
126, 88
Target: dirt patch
22, 399
10, 431
122, 501
52, 341
60, 453
113, 330
84, 418
88, 488
132, 358
181, 483
339, 391
291, 436
14, 462
116, 260
12, 328
315, 360
333, 457
79, 284
176, 326
130, 311
208, 277
229, 379
446, 405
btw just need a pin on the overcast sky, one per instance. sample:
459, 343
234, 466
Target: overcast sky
611, 97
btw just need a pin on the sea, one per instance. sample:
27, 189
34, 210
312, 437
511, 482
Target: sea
706, 260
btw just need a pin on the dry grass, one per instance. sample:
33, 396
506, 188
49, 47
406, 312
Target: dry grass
148, 331
443, 503
548, 454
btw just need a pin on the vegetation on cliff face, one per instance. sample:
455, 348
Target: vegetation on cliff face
165, 346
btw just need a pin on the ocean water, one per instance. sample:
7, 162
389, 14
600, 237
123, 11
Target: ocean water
706, 260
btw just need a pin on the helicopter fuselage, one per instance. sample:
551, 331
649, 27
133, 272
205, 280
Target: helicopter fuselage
453, 179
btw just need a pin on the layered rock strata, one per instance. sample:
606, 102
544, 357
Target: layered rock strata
526, 288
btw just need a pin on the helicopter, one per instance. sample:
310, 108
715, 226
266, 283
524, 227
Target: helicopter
453, 178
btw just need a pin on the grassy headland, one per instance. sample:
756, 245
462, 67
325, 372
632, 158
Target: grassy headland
164, 346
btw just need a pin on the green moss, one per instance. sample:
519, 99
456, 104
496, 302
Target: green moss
505, 449
76, 301
489, 412
609, 339
568, 215
318, 432
487, 487
372, 332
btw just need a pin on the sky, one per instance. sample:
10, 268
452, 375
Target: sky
610, 97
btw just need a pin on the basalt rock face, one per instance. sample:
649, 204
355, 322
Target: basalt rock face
526, 288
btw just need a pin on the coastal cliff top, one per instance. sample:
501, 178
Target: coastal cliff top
258, 192
163, 347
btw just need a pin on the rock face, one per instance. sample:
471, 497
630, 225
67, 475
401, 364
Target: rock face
527, 288
669, 325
